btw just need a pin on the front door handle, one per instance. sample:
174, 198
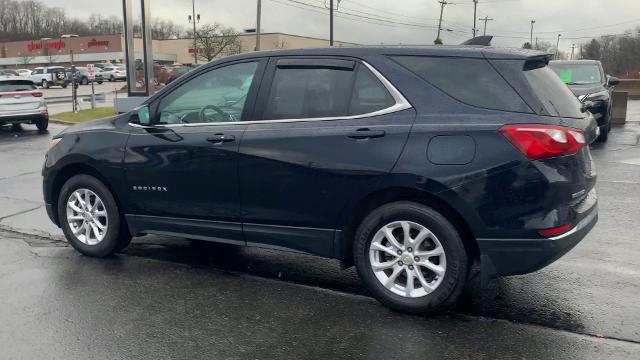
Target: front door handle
221, 138
366, 134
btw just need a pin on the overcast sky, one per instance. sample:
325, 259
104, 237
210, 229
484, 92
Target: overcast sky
400, 21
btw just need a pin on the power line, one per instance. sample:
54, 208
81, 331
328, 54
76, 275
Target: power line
351, 16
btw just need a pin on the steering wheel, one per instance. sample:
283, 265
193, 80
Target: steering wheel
203, 116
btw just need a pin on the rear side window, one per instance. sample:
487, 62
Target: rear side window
471, 81
16, 85
299, 93
323, 92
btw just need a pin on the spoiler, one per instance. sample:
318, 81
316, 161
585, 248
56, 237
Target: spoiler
479, 40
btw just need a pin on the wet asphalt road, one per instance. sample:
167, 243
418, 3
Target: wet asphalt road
173, 298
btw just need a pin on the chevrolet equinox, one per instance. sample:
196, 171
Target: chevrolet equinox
421, 167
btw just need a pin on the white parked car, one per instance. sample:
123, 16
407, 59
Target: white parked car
114, 72
24, 72
22, 103
50, 76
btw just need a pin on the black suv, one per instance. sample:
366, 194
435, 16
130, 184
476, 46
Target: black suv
414, 165
587, 80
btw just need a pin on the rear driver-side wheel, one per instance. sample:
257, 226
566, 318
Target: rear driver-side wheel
90, 218
411, 258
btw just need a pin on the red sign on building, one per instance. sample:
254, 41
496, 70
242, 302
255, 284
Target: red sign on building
51, 44
95, 43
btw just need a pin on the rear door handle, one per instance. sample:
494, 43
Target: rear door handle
366, 134
221, 138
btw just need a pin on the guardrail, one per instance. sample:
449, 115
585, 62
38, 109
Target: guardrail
100, 97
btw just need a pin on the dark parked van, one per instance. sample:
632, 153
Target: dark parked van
414, 165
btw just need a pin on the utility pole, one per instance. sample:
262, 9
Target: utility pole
443, 3
485, 19
194, 18
557, 45
330, 22
259, 12
573, 50
475, 15
531, 41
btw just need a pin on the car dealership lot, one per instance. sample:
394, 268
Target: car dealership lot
184, 299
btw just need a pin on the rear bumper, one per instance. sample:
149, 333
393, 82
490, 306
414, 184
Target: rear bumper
31, 118
503, 257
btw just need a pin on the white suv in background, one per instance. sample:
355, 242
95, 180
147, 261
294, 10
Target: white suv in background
49, 76
22, 103
114, 72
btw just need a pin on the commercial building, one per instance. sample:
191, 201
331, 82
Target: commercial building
110, 48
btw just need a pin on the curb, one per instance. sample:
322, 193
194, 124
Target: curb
62, 122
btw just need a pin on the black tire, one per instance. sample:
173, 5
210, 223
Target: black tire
100, 82
112, 78
84, 81
117, 236
453, 281
65, 84
42, 124
45, 84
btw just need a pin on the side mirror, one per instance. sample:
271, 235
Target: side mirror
141, 116
588, 106
612, 81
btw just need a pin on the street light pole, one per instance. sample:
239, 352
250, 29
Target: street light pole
195, 37
331, 23
531, 41
475, 16
557, 45
259, 13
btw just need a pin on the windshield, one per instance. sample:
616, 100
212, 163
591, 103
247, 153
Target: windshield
16, 85
578, 74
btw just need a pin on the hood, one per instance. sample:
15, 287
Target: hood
100, 124
586, 89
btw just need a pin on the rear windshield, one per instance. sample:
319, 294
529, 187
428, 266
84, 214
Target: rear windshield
16, 85
555, 96
471, 81
578, 74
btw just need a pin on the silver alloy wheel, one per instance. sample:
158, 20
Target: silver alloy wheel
407, 258
87, 216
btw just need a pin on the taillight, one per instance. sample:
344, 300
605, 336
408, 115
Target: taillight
556, 230
37, 94
537, 141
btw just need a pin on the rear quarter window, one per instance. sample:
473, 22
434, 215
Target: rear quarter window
471, 81
16, 85
556, 98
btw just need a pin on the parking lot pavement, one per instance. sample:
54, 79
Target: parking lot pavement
169, 297
106, 87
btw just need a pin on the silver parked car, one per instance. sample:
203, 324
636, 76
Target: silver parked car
22, 103
113, 73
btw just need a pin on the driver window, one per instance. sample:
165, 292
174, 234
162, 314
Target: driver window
215, 96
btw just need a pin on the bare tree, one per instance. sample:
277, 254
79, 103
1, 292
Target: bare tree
216, 40
25, 58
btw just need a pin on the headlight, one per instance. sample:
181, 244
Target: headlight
54, 142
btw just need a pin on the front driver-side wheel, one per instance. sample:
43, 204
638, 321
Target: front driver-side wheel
411, 258
90, 218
